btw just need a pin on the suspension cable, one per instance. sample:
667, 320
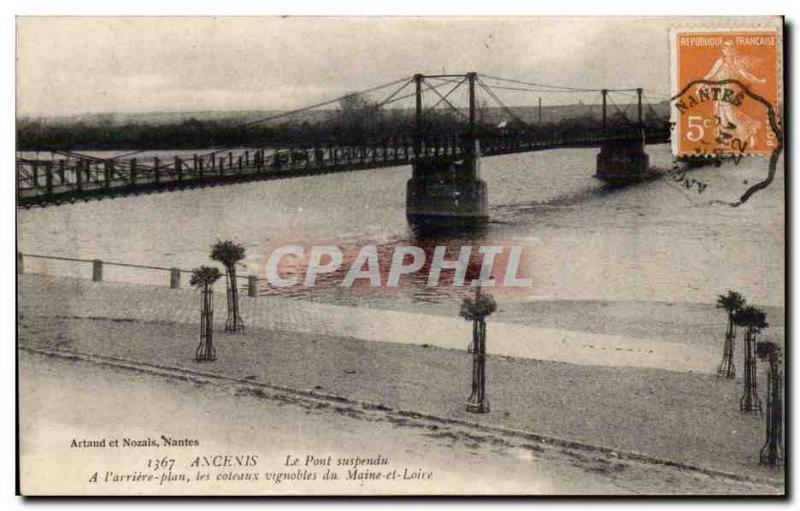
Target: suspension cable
324, 103
427, 87
444, 98
124, 155
76, 154
412, 94
504, 87
533, 84
395, 93
448, 102
395, 96
650, 106
658, 95
304, 109
502, 105
614, 104
450, 80
646, 100
555, 87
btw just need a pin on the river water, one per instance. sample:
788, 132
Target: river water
655, 241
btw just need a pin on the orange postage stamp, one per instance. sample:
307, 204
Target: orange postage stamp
725, 91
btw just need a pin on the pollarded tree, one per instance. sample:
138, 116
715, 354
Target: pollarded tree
477, 309
229, 254
203, 278
772, 452
754, 321
731, 302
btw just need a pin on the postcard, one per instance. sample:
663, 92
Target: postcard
383, 256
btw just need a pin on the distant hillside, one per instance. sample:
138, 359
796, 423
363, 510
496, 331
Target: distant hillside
238, 129
529, 114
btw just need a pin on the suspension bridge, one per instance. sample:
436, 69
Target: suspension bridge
442, 139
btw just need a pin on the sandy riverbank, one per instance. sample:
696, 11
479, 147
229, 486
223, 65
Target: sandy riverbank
221, 415
585, 333
697, 324
690, 418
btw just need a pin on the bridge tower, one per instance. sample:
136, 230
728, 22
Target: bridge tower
622, 158
446, 191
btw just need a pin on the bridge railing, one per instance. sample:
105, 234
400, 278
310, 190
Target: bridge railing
43, 181
526, 141
67, 173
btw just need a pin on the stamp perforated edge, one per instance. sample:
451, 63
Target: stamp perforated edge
724, 25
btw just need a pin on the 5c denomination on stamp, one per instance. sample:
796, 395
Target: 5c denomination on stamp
725, 86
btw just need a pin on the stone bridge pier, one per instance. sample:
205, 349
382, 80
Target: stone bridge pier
447, 192
622, 159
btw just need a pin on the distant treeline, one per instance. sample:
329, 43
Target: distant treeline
37, 135
355, 122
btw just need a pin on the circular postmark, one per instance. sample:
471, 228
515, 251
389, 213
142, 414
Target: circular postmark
725, 120
725, 107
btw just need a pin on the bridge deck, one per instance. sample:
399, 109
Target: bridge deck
49, 182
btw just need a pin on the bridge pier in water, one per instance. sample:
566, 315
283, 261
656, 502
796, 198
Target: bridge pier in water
623, 160
445, 190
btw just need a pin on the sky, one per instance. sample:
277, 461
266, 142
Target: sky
74, 65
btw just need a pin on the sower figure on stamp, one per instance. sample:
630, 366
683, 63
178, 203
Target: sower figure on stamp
732, 123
